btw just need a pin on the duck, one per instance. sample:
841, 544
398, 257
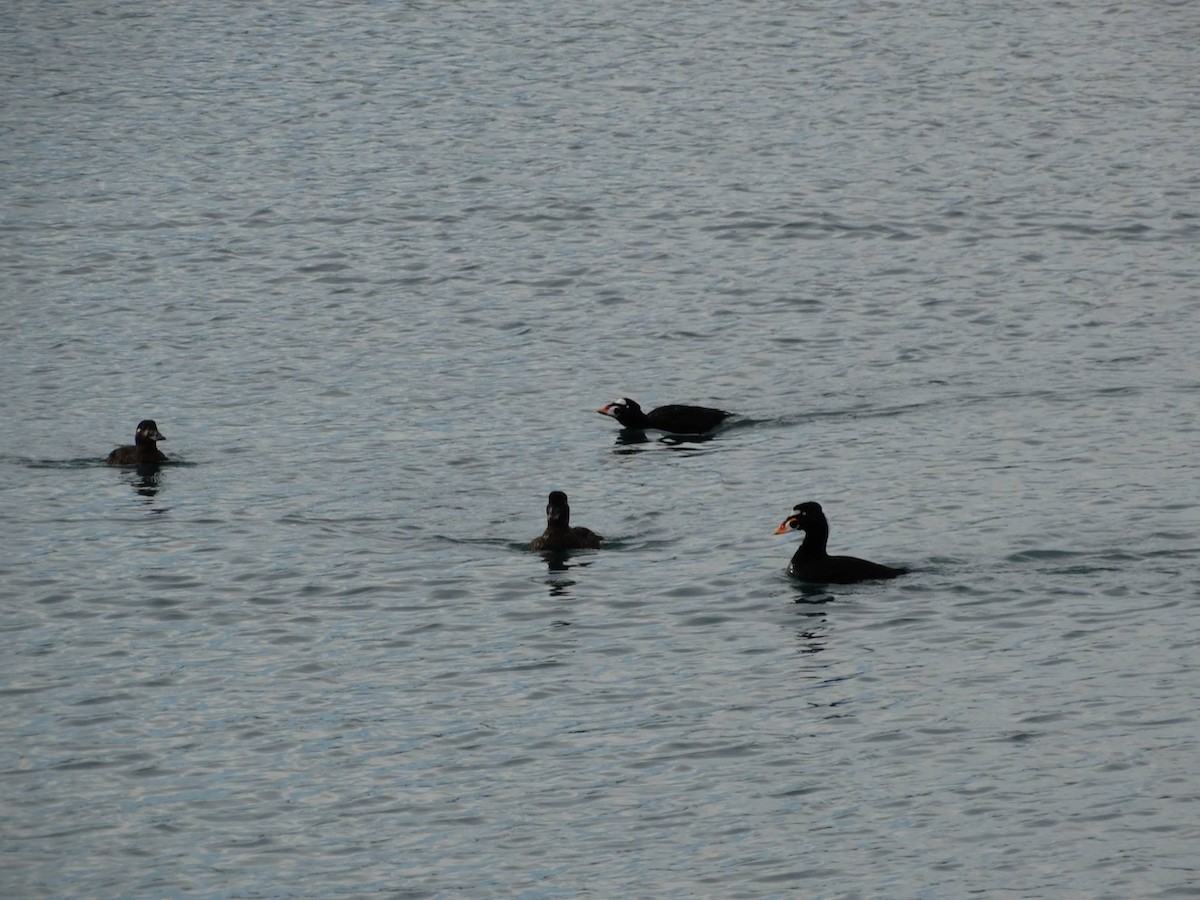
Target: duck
675, 418
143, 451
812, 563
559, 535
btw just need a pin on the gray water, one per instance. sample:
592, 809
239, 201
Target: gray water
373, 267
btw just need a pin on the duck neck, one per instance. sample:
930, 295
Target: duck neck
638, 418
633, 418
815, 539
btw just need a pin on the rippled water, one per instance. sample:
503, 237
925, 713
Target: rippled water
372, 268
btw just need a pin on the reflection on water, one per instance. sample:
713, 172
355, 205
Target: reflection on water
558, 563
812, 635
556, 560
147, 482
560, 588
814, 594
630, 436
632, 440
681, 440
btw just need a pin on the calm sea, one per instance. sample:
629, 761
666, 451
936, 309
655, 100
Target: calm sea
373, 266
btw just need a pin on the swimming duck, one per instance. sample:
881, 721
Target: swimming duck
143, 451
559, 535
675, 418
812, 563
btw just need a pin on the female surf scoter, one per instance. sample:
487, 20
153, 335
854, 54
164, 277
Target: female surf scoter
812, 563
559, 535
143, 450
675, 418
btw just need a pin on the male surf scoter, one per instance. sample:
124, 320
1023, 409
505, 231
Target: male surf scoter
143, 450
559, 535
675, 418
812, 563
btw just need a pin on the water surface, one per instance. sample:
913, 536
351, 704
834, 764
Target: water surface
372, 269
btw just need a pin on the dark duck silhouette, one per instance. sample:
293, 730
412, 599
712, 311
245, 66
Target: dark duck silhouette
559, 535
143, 451
674, 418
812, 563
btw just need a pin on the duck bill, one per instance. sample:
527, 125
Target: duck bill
606, 410
156, 435
783, 527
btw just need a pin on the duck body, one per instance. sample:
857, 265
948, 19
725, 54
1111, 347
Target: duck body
674, 418
812, 563
143, 451
559, 534
839, 569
